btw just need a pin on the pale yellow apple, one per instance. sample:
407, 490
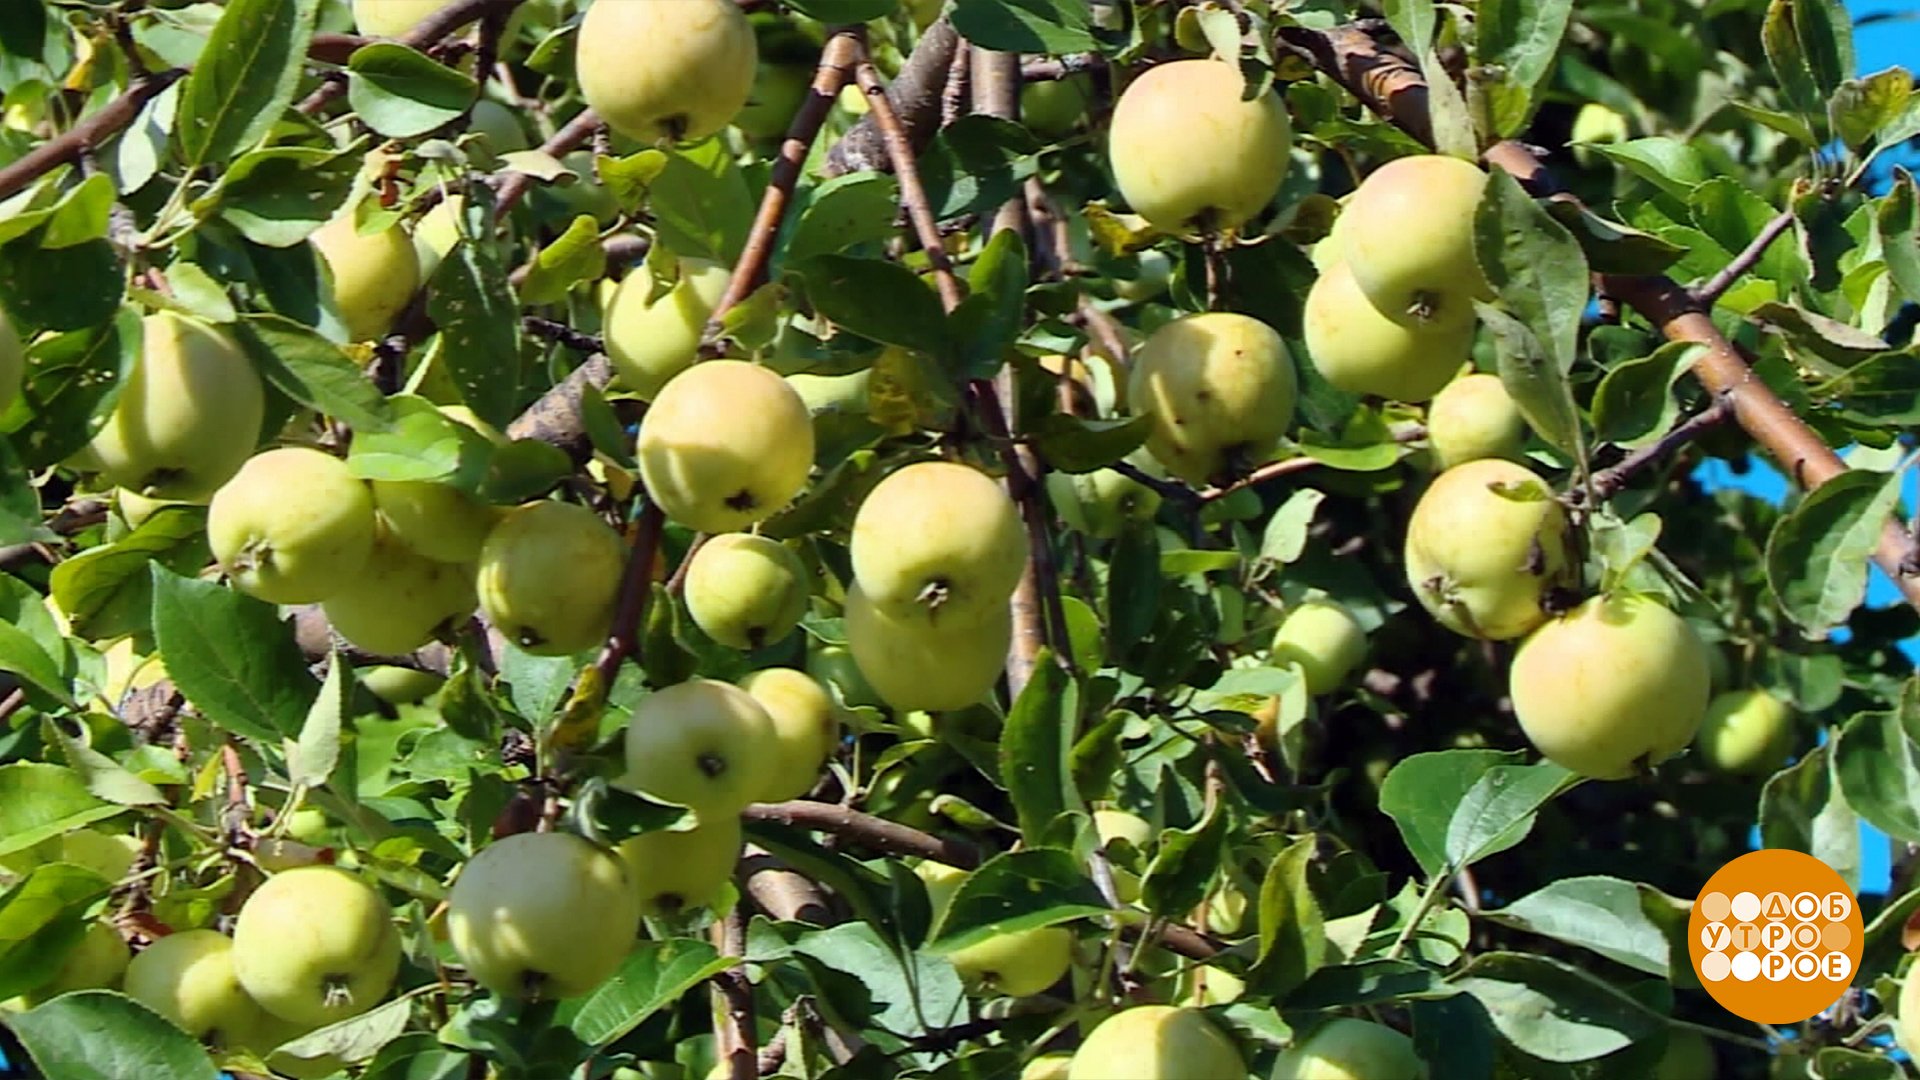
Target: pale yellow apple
1410, 241
726, 444
1746, 733
549, 575
1357, 349
1326, 641
188, 977
315, 945
701, 743
293, 526
545, 915
438, 521
1190, 154
806, 728
690, 80
96, 962
1345, 1048
400, 600
833, 393
1157, 1042
1047, 1067
373, 275
1472, 418
1485, 542
1102, 503
677, 872
913, 665
938, 543
651, 339
398, 686
746, 591
436, 233
391, 18
1019, 963
1220, 388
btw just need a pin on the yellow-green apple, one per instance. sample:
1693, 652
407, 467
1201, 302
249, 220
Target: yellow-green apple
1746, 733
1054, 107
1474, 417
373, 275
1157, 1042
701, 743
501, 127
806, 729
835, 667
689, 82
1211, 986
1330, 251
1103, 502
938, 543
397, 685
650, 338
833, 393
1326, 641
189, 978
1226, 910
1616, 686
1190, 153
1047, 1067
1018, 963
391, 18
187, 417
544, 915
1409, 242
1906, 1024
111, 855
96, 962
746, 591
438, 521
1111, 825
1595, 123
726, 443
13, 363
1359, 350
1348, 1049
316, 945
136, 508
548, 577
400, 600
1220, 388
1485, 542
677, 872
292, 526
779, 90
912, 664
435, 234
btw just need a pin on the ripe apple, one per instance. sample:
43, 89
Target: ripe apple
1746, 733
136, 508
542, 915
1189, 154
649, 339
1220, 388
835, 667
315, 945
188, 416
374, 275
1359, 350
438, 521
1103, 502
1330, 251
1054, 107
1157, 1042
391, 18
397, 685
1326, 641
13, 363
833, 393
779, 91
292, 526
806, 729
676, 872
1619, 684
1048, 1067
1410, 240
1474, 417
689, 82
912, 664
1226, 910
189, 978
1112, 825
746, 591
435, 234
96, 962
1211, 986
727, 443
939, 544
549, 575
1906, 1024
1480, 560
1689, 1056
1020, 963
701, 743
1348, 1049
399, 600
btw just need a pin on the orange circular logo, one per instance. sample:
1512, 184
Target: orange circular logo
1775, 936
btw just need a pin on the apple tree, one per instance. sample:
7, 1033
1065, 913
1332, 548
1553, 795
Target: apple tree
1109, 539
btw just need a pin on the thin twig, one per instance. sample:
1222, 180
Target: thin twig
568, 139
1058, 67
561, 333
455, 16
874, 833
915, 97
1607, 482
913, 193
1706, 294
636, 586
87, 135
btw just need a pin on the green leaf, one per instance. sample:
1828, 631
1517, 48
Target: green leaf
41, 917
989, 320
1734, 217
1817, 553
655, 975
1035, 26
1825, 30
279, 195
1285, 537
1898, 222
100, 1035
1611, 247
1802, 809
354, 1039
907, 391
422, 444
1416, 21
843, 212
313, 371
1035, 745
231, 656
1666, 163
1537, 384
1535, 265
1605, 915
575, 256
701, 203
95, 585
907, 993
1016, 890
105, 777
23, 656
244, 79
1184, 864
976, 163
1878, 769
877, 299
1422, 794
1074, 444
1862, 108
23, 30
39, 801
71, 382
68, 288
1293, 939
401, 93
1553, 1010
311, 757
1516, 43
1635, 405
1498, 811
472, 303
81, 214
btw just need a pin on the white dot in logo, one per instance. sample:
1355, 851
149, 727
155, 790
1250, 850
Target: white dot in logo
1746, 965
1746, 907
1715, 966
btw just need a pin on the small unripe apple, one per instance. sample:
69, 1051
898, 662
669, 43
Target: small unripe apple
1348, 1049
689, 82
1157, 1042
292, 526
188, 416
498, 123
1048, 1067
438, 521
1618, 685
677, 872
400, 600
135, 508
1331, 249
1112, 825
1595, 123
315, 945
701, 743
1212, 986
188, 977
939, 543
650, 340
96, 962
1472, 418
833, 393
834, 666
779, 91
1054, 107
1906, 1024
1480, 560
1689, 1056
1410, 240
1018, 963
746, 591
725, 444
436, 233
544, 915
1103, 502
111, 855
1357, 349
548, 577
912, 664
1326, 641
1220, 388
13, 363
1226, 910
1190, 154
373, 275
806, 729
1746, 733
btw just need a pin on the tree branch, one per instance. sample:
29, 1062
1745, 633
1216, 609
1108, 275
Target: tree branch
1718, 284
454, 16
568, 139
1607, 482
636, 587
914, 98
736, 1035
913, 193
556, 417
86, 135
875, 833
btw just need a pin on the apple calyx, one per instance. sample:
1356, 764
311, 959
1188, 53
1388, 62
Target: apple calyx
337, 989
711, 765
